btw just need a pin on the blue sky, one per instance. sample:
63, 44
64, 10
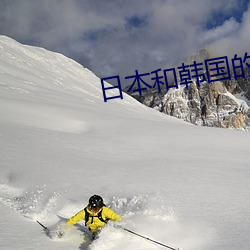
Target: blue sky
219, 16
117, 37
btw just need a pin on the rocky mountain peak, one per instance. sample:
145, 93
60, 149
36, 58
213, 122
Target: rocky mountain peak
210, 104
199, 56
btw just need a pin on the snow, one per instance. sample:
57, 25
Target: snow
182, 185
242, 99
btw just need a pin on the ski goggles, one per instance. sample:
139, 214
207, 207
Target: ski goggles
94, 208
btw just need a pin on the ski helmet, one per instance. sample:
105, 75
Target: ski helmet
95, 202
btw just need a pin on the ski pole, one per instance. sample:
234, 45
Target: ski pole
45, 228
146, 238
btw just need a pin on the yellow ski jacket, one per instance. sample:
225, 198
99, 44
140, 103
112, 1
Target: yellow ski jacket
94, 223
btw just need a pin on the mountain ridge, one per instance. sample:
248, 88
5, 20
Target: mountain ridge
210, 104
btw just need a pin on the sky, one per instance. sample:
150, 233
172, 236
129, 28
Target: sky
117, 37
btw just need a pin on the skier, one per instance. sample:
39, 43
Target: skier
95, 214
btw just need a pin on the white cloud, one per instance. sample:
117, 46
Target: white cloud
236, 41
228, 28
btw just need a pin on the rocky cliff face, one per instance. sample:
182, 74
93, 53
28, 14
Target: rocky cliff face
212, 104
209, 105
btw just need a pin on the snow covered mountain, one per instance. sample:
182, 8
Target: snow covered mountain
182, 185
223, 104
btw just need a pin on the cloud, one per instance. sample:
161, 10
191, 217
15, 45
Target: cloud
117, 37
235, 39
229, 27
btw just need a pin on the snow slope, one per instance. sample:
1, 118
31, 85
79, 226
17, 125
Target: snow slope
176, 183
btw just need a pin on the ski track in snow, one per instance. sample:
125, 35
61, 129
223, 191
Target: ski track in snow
43, 117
